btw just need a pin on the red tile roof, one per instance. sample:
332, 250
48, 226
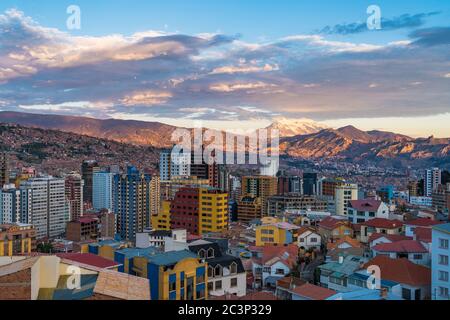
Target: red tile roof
401, 271
390, 237
423, 234
408, 246
330, 223
287, 254
89, 259
366, 205
383, 223
313, 292
423, 222
354, 243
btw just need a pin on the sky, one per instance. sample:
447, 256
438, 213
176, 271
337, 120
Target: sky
231, 64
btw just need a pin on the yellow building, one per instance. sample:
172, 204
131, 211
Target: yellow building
155, 195
213, 210
17, 239
185, 279
279, 233
161, 221
174, 275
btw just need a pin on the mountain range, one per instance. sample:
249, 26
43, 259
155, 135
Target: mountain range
299, 138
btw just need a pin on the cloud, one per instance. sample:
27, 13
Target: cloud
213, 77
230, 87
431, 36
146, 98
245, 69
405, 21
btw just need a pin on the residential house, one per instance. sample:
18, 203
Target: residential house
285, 286
334, 275
378, 238
309, 238
379, 225
411, 225
273, 263
332, 229
412, 250
344, 243
415, 280
226, 274
360, 211
279, 233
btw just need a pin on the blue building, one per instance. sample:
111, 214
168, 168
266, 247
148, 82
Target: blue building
440, 268
102, 183
131, 193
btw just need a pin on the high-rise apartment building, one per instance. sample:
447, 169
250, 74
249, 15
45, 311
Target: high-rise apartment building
171, 166
155, 195
10, 204
74, 195
213, 210
432, 180
345, 193
4, 169
260, 186
199, 210
131, 204
88, 168
46, 206
310, 183
102, 186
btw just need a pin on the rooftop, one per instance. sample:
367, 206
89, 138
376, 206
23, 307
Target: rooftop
313, 292
171, 258
383, 223
423, 222
122, 286
366, 205
401, 271
89, 259
403, 246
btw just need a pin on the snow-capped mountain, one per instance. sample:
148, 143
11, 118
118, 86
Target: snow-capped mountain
295, 127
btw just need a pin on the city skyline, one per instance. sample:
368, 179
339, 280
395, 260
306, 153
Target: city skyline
231, 65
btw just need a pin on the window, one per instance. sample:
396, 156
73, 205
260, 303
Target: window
218, 271
443, 260
201, 279
267, 269
218, 285
443, 243
314, 240
210, 272
233, 268
443, 292
279, 271
200, 294
202, 253
406, 294
233, 283
210, 286
418, 257
443, 276
173, 286
210, 253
